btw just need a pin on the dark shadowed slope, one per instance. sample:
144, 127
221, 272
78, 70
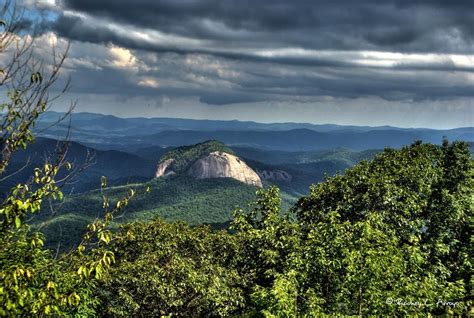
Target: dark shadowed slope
119, 167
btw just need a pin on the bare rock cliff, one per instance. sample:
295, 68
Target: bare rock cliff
224, 165
162, 167
275, 175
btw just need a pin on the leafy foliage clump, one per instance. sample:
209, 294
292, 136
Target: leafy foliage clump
401, 224
394, 228
33, 281
172, 269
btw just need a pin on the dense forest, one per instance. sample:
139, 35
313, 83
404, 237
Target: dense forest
394, 229
206, 201
390, 236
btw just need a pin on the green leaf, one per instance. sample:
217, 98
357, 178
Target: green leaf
17, 222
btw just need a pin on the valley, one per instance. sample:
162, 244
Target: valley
187, 183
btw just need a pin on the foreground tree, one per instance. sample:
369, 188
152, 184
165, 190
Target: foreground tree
33, 282
171, 269
393, 230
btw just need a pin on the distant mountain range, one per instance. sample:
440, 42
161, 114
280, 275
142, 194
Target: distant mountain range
129, 149
293, 172
195, 197
129, 134
144, 125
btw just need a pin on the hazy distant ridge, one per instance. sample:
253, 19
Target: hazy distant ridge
109, 132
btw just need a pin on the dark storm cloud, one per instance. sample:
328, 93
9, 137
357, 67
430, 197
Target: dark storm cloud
75, 28
408, 26
225, 52
352, 84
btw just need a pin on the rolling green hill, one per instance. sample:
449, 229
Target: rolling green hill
344, 156
209, 201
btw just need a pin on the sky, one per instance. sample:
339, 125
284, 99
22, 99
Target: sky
406, 63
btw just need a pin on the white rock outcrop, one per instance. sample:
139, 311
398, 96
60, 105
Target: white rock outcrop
162, 166
224, 165
275, 175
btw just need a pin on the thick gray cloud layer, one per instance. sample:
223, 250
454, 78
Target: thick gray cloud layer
223, 52
402, 26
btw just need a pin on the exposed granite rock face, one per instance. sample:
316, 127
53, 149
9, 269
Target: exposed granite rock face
161, 169
274, 175
224, 165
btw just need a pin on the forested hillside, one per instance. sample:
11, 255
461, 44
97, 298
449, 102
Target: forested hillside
195, 202
395, 229
88, 163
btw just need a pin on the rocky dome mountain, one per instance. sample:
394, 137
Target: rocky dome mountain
210, 159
